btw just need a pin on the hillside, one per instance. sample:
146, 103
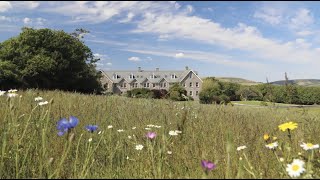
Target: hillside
238, 80
302, 82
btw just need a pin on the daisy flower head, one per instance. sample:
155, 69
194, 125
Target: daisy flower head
38, 98
241, 148
173, 133
309, 146
272, 145
43, 103
110, 126
139, 147
2, 93
290, 125
295, 168
266, 137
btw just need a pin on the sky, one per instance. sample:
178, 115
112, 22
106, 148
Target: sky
251, 40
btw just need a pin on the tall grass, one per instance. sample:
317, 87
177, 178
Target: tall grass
31, 148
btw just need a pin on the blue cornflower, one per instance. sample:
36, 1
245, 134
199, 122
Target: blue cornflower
92, 128
64, 125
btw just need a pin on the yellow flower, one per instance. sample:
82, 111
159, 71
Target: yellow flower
266, 137
289, 125
274, 138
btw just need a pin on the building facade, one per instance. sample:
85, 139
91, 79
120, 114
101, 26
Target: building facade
119, 82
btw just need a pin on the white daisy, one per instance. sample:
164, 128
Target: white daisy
12, 91
90, 140
157, 126
134, 127
241, 148
12, 95
2, 93
43, 103
120, 130
139, 147
147, 128
110, 126
150, 125
309, 146
173, 133
38, 98
169, 152
130, 137
295, 168
179, 132
272, 145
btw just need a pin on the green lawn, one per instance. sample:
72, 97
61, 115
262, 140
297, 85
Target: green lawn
258, 103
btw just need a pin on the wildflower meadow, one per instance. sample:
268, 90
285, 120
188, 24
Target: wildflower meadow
55, 134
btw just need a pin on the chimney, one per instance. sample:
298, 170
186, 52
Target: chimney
157, 69
187, 68
139, 69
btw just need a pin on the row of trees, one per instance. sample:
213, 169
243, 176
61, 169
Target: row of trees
214, 91
48, 59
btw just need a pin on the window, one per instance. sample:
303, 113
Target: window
190, 93
184, 84
106, 85
131, 76
190, 75
197, 84
190, 84
125, 85
160, 84
154, 84
114, 76
147, 84
136, 85
197, 93
144, 84
164, 84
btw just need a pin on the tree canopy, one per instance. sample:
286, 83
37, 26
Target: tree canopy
48, 59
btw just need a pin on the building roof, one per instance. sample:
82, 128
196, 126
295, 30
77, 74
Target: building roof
142, 75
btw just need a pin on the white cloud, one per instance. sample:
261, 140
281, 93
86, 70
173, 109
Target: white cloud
179, 55
305, 33
242, 37
100, 11
163, 37
128, 18
189, 9
27, 20
22, 5
270, 14
302, 18
5, 18
109, 64
203, 57
134, 59
5, 6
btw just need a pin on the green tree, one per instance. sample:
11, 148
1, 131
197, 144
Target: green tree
177, 92
51, 59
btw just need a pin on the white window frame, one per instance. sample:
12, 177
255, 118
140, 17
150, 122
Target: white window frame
190, 84
197, 84
190, 93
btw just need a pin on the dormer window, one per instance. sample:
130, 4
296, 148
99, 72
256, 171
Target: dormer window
131, 76
114, 76
173, 76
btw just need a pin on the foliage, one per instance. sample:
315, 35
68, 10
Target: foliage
214, 91
177, 92
48, 59
140, 93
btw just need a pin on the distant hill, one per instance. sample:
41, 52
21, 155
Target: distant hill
302, 82
238, 80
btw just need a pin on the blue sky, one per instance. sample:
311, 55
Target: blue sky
251, 40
